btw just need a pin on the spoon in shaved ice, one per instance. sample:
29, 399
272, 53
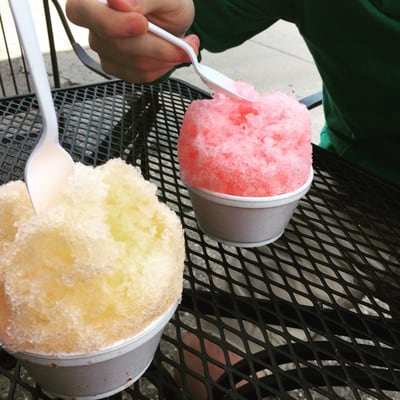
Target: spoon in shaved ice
214, 79
49, 165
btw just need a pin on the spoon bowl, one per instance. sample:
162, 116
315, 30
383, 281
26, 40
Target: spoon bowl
49, 165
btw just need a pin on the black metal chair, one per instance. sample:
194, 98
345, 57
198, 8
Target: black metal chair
14, 78
14, 75
80, 52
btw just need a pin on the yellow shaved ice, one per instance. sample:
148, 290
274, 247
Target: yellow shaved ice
94, 269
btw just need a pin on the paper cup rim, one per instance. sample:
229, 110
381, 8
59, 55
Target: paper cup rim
122, 346
254, 201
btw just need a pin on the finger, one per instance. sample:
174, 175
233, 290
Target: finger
127, 50
163, 11
100, 18
193, 41
134, 75
175, 16
124, 5
143, 69
128, 62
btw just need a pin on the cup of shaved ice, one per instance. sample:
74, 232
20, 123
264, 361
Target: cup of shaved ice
88, 286
246, 164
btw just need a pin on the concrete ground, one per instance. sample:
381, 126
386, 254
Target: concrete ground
276, 59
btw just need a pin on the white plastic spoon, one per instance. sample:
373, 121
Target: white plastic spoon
215, 80
49, 165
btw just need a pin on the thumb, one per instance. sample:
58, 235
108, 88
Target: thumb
193, 41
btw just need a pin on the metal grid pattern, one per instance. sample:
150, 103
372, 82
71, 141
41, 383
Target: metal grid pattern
325, 294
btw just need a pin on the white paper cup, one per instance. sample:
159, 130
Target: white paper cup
100, 374
245, 221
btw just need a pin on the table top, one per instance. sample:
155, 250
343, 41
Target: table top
325, 294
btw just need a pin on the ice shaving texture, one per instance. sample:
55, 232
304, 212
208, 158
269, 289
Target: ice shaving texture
244, 148
91, 271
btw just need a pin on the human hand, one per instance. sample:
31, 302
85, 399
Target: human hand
118, 33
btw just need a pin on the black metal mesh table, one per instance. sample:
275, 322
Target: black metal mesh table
325, 294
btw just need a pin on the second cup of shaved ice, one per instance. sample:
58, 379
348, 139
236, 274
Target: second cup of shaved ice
246, 164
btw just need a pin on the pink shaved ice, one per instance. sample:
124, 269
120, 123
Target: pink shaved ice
243, 148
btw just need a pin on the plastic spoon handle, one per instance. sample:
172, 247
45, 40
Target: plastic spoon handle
28, 38
175, 40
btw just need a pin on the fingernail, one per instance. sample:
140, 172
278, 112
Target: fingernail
193, 41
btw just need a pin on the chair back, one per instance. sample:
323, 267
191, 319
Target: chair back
14, 74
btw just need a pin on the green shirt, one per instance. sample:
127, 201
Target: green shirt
356, 47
